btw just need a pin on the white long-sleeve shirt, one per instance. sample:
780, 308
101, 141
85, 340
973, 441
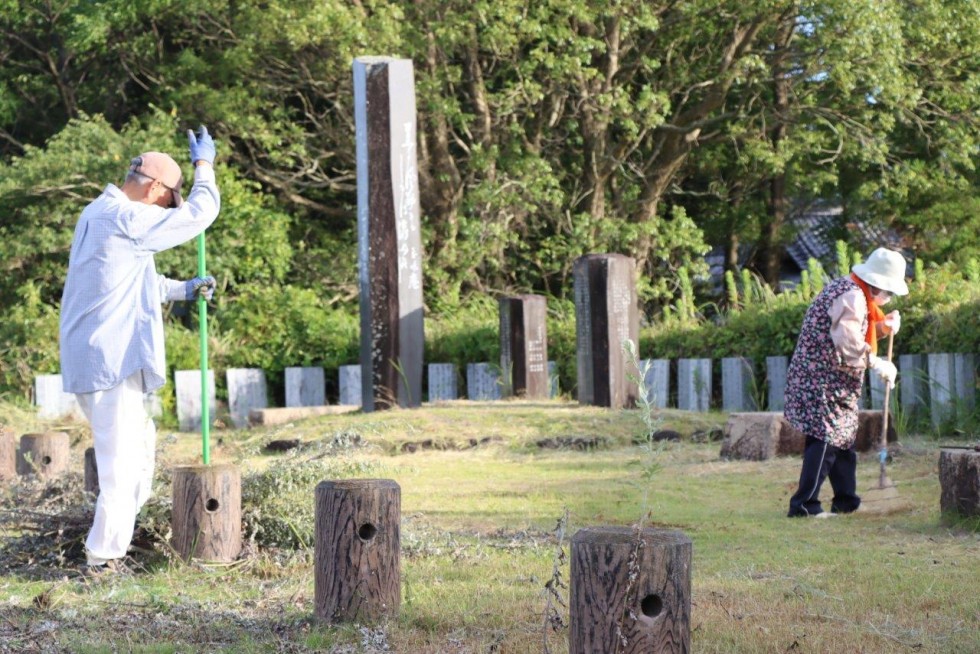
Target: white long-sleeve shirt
848, 326
111, 315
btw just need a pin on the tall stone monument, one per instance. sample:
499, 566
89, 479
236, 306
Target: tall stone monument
524, 346
389, 239
606, 315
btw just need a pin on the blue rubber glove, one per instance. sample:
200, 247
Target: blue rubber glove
202, 146
200, 287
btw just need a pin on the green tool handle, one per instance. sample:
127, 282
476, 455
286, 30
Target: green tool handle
202, 309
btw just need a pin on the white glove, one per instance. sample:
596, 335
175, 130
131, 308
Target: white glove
885, 369
893, 321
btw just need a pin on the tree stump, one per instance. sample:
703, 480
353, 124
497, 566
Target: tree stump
207, 512
44, 455
91, 472
356, 560
630, 591
959, 479
8, 455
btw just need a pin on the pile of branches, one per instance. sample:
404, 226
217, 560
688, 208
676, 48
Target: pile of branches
43, 525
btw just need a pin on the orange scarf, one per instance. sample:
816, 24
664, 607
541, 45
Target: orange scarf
875, 314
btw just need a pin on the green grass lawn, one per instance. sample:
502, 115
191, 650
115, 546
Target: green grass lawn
479, 544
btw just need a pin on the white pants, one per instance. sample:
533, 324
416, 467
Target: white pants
125, 445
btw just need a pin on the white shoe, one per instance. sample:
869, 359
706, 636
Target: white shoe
824, 515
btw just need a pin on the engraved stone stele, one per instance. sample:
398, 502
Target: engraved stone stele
606, 316
389, 235
524, 346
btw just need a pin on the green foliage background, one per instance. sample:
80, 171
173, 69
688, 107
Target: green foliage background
547, 130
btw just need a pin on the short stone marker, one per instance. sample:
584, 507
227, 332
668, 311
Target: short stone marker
942, 385
524, 346
356, 559
187, 385
482, 382
389, 235
606, 317
305, 386
554, 383
246, 391
737, 382
758, 436
913, 388
629, 591
351, 389
761, 435
964, 371
8, 454
959, 480
207, 512
51, 399
776, 381
656, 380
694, 384
443, 384
44, 454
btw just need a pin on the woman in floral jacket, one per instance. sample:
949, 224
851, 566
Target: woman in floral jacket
838, 342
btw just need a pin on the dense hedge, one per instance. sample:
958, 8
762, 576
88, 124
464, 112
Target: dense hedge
939, 315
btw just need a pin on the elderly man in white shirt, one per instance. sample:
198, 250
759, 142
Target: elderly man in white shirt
112, 347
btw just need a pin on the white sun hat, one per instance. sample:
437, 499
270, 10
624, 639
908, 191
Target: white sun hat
884, 269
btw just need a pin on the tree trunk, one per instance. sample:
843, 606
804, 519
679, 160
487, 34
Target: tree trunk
207, 512
357, 575
630, 591
776, 209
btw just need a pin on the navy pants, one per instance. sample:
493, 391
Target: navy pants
822, 460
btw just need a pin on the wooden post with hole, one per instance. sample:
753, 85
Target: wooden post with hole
45, 454
959, 481
91, 472
357, 574
630, 591
8, 454
207, 512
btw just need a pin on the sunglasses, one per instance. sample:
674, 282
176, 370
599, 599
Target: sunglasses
173, 198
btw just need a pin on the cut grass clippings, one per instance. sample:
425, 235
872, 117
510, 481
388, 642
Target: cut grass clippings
480, 501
